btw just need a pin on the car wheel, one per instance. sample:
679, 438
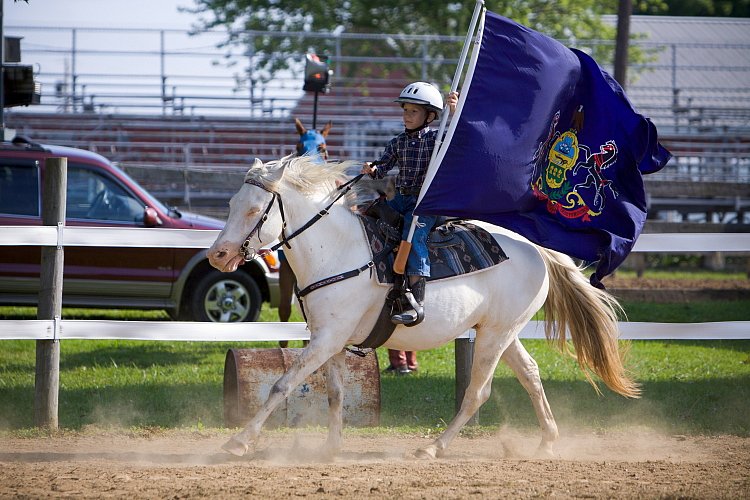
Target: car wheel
226, 298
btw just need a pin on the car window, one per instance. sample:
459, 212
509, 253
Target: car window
93, 196
19, 189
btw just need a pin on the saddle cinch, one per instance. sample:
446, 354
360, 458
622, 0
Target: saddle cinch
455, 247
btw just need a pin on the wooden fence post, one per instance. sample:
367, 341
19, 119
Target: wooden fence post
464, 352
47, 377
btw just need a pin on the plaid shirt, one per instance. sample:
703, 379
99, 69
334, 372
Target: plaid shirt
411, 154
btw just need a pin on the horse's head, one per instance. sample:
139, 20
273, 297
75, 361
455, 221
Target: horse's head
311, 142
254, 218
608, 150
256, 212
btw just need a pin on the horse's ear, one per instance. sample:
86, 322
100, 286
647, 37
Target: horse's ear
257, 169
277, 173
326, 129
300, 128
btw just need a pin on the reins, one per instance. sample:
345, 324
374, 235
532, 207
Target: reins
344, 188
248, 252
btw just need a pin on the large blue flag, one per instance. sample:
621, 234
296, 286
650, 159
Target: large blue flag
546, 144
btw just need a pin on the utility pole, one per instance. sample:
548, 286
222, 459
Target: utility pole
623, 39
2, 74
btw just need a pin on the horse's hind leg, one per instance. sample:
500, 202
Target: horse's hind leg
487, 351
335, 386
527, 371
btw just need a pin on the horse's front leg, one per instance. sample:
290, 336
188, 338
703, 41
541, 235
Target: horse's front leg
335, 385
320, 350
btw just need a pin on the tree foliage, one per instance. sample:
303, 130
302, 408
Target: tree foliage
255, 26
722, 8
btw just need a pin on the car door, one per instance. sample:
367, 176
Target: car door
116, 275
93, 276
19, 206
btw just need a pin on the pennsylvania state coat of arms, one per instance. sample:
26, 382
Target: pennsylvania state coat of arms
568, 176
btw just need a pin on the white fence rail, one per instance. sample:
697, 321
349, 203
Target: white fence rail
199, 238
241, 332
67, 329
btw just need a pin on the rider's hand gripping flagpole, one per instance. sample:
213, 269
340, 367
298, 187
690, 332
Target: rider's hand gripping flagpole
399, 265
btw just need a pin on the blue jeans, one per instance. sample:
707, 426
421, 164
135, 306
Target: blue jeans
418, 263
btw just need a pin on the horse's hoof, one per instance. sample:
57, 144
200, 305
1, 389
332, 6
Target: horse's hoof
429, 453
328, 453
544, 451
235, 447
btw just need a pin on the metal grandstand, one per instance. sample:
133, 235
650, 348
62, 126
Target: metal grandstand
148, 98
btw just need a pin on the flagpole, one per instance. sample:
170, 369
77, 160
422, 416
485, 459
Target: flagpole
399, 265
439, 152
456, 77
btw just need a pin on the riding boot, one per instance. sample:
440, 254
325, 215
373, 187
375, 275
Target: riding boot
415, 314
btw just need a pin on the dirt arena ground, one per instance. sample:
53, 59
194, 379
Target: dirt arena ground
676, 290
617, 281
636, 463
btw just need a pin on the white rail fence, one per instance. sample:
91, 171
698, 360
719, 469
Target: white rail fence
58, 329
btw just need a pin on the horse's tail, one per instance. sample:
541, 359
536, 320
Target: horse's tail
590, 315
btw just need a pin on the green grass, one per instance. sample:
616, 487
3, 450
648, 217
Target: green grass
687, 273
16, 312
688, 312
689, 387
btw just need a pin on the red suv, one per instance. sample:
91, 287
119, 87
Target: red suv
178, 280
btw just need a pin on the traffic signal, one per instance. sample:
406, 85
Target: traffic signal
317, 74
12, 49
19, 87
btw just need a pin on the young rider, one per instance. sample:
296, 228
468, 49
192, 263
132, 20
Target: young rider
410, 151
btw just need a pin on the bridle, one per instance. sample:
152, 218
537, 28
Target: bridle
249, 253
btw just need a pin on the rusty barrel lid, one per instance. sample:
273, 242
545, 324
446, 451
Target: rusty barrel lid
249, 375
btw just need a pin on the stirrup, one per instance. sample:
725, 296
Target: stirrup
410, 317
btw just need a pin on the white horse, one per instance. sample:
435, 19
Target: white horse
496, 302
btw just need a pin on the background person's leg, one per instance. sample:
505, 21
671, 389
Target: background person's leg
398, 362
411, 360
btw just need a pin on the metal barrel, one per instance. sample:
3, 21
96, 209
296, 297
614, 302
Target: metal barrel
249, 375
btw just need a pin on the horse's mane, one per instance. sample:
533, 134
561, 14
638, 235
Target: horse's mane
306, 175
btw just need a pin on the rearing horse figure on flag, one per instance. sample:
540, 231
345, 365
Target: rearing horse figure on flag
595, 163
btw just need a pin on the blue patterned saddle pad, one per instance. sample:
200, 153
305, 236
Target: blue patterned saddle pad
455, 248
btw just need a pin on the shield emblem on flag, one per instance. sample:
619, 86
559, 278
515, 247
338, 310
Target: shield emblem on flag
562, 157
